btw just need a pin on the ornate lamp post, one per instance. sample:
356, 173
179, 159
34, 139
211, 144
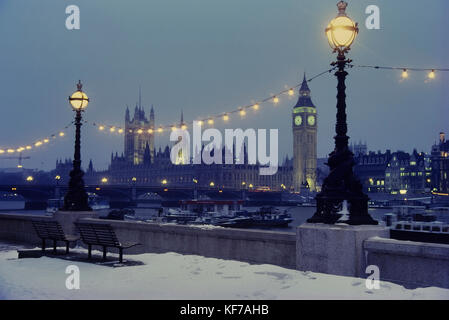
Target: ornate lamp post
76, 198
341, 184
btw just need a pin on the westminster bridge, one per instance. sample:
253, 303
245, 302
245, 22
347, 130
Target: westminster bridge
119, 196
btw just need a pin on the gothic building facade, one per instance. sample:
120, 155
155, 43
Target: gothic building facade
142, 164
304, 126
139, 135
162, 172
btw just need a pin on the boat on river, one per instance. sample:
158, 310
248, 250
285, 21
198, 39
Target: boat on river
413, 223
96, 202
270, 217
227, 213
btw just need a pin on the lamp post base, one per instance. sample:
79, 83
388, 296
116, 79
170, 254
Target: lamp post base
330, 204
76, 198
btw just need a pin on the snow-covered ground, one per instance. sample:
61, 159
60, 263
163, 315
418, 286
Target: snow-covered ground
176, 276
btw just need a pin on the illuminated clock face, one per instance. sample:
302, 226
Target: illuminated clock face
298, 120
311, 120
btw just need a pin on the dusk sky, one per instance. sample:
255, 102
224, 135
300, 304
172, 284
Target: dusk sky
210, 56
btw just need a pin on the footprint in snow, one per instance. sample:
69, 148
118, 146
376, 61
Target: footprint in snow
277, 275
257, 293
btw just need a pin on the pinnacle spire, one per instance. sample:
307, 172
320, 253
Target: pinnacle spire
304, 99
140, 97
127, 117
304, 86
152, 116
136, 112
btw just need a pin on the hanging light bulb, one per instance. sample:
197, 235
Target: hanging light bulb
210, 121
404, 74
225, 117
431, 74
173, 128
150, 131
275, 100
291, 92
184, 127
160, 130
101, 128
140, 131
120, 130
242, 112
112, 129
256, 106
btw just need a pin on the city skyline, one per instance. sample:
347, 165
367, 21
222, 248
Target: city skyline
181, 65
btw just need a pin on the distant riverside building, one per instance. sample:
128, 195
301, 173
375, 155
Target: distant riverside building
304, 126
440, 165
393, 172
63, 168
409, 172
370, 168
358, 149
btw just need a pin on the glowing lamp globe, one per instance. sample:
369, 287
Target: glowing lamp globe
342, 30
79, 99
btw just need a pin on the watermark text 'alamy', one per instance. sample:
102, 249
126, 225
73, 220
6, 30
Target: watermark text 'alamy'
234, 144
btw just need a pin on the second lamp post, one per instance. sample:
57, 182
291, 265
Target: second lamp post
76, 198
341, 185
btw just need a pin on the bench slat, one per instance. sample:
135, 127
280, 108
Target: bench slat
51, 230
98, 234
102, 235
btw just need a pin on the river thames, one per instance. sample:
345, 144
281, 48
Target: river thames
299, 214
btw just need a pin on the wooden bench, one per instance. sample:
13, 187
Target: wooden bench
52, 230
98, 234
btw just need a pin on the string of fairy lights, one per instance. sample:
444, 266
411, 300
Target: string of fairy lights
211, 120
36, 143
431, 72
274, 99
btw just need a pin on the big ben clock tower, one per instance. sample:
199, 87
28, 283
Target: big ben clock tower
304, 123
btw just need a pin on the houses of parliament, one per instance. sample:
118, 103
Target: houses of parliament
142, 163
